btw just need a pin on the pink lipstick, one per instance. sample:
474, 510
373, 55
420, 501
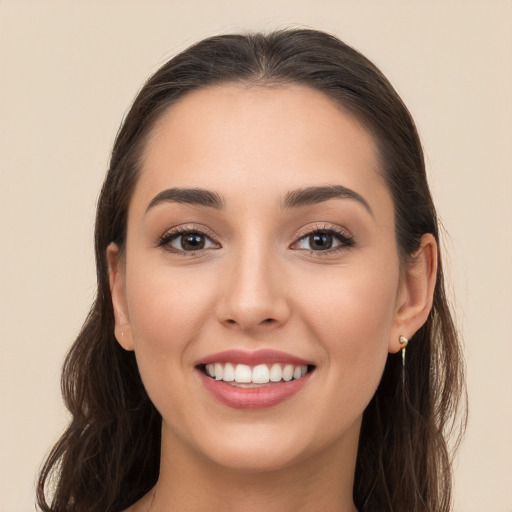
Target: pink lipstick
253, 380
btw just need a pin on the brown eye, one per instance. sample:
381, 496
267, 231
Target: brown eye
320, 241
187, 241
324, 240
192, 241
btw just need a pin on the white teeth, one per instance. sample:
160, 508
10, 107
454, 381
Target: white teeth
276, 373
259, 374
218, 371
228, 374
288, 372
243, 373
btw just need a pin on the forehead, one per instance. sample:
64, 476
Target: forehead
234, 138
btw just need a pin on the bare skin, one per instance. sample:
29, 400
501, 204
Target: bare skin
318, 279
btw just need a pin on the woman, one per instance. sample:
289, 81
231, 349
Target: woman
266, 245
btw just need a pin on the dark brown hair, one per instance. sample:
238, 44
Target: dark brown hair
109, 455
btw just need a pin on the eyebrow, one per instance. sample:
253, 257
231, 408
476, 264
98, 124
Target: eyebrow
293, 199
314, 195
194, 196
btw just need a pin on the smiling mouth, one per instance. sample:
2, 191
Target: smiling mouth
242, 375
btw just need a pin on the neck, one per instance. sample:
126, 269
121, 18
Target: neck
190, 483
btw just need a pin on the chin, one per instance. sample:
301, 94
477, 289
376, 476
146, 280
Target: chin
270, 448
256, 459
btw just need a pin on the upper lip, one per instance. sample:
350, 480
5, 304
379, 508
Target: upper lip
263, 356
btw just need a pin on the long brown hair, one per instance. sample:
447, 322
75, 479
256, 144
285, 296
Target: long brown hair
109, 455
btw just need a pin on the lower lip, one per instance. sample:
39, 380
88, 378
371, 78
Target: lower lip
253, 398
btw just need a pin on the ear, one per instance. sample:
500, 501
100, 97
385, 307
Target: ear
416, 292
116, 274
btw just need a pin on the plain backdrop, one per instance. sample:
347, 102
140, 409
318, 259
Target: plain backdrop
68, 72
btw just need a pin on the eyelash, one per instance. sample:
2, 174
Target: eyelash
345, 240
167, 238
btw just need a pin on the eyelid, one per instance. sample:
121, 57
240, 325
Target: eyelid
175, 232
323, 226
344, 236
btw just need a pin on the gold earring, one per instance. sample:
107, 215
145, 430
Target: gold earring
403, 341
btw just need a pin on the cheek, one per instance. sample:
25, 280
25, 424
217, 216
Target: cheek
166, 313
356, 306
164, 304
353, 321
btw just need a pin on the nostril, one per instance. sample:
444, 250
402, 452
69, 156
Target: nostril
250, 323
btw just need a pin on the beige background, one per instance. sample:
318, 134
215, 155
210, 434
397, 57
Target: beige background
69, 70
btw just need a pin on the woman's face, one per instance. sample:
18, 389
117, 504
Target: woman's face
260, 234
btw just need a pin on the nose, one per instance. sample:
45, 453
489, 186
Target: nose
254, 293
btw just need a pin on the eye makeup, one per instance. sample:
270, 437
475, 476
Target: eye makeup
187, 240
319, 239
324, 239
